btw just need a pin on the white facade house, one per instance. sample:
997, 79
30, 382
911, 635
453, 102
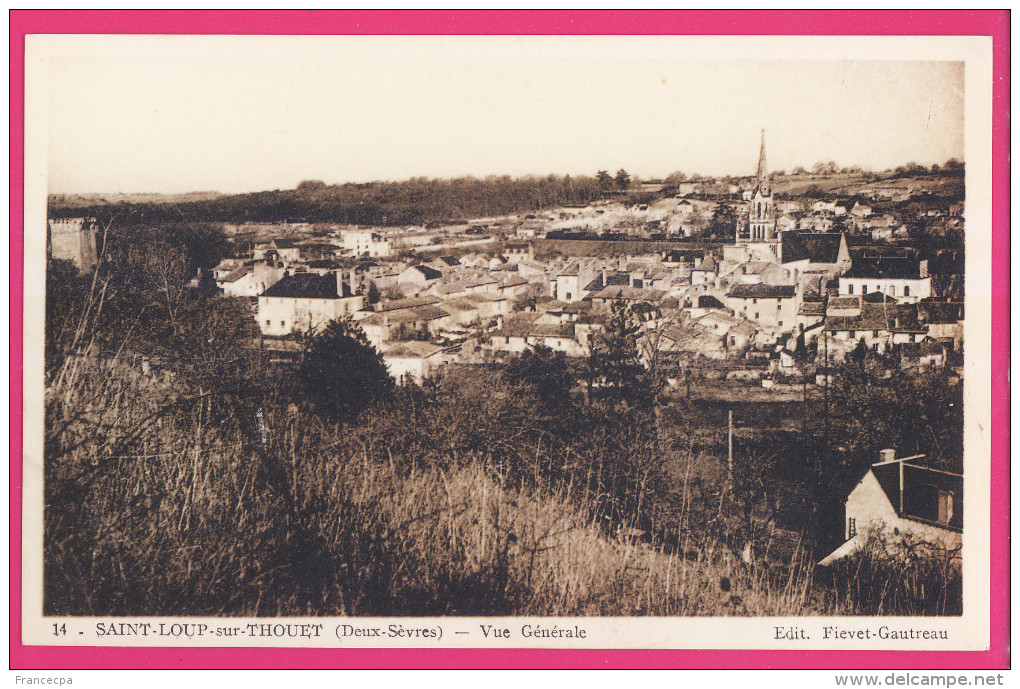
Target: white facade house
569, 283
770, 306
281, 249
413, 362
907, 506
365, 243
252, 280
903, 278
419, 275
305, 303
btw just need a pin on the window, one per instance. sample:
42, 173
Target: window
874, 333
283, 324
568, 296
850, 288
756, 315
864, 289
780, 324
268, 323
906, 291
945, 506
853, 334
851, 528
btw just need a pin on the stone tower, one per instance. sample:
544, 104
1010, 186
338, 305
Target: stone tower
74, 240
761, 221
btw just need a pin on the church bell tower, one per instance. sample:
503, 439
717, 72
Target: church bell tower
760, 236
762, 219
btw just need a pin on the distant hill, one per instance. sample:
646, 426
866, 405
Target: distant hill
420, 200
80, 200
864, 184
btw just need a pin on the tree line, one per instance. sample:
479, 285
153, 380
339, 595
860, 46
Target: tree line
415, 201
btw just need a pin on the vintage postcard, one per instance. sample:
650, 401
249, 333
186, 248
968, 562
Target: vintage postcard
508, 342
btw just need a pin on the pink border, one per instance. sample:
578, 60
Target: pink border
979, 23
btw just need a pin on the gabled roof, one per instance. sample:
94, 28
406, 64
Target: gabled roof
921, 488
307, 286
888, 267
324, 263
901, 318
915, 350
412, 349
285, 244
878, 298
417, 314
762, 291
844, 302
428, 273
562, 330
236, 274
613, 279
518, 325
410, 302
707, 301
708, 265
816, 247
629, 294
932, 311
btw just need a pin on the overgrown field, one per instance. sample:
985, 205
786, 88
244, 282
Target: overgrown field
160, 502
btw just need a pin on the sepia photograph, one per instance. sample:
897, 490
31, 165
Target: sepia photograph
553, 328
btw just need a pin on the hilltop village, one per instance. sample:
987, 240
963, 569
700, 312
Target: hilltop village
731, 280
754, 374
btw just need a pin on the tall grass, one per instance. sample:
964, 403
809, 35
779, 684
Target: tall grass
153, 509
899, 575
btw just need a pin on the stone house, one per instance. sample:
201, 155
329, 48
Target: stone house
907, 505
306, 302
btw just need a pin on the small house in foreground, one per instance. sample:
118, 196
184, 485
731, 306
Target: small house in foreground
903, 502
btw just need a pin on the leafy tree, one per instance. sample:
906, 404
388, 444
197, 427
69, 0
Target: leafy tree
604, 180
546, 377
341, 373
622, 179
615, 373
724, 220
311, 185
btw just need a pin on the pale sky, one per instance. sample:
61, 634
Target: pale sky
255, 114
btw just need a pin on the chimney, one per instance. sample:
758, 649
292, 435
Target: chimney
605, 278
886, 455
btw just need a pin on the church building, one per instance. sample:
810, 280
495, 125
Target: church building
761, 237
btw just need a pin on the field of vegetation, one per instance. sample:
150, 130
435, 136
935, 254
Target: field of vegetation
209, 481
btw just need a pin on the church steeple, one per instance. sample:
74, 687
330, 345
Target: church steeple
761, 220
762, 181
